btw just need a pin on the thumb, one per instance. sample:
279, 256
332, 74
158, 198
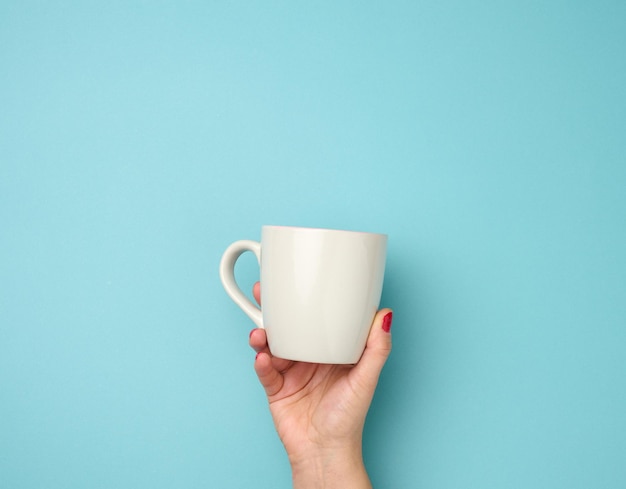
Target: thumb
376, 352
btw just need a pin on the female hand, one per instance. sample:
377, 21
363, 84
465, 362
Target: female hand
319, 410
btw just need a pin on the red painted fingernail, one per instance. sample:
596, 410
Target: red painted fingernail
257, 356
387, 322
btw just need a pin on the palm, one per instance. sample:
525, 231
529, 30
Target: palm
314, 401
316, 404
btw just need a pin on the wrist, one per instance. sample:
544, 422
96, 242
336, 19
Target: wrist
329, 468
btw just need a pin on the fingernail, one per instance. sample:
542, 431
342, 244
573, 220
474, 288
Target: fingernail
387, 322
257, 356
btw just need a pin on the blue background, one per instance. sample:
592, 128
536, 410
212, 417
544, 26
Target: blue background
138, 139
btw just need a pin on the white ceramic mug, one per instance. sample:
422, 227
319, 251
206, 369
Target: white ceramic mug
320, 290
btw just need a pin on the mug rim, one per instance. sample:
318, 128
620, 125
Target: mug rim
317, 229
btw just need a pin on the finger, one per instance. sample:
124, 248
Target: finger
256, 292
271, 379
258, 340
376, 352
281, 364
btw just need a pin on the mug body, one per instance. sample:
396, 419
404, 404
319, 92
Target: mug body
320, 291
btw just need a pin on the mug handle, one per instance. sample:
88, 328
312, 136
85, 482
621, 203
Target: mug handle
227, 275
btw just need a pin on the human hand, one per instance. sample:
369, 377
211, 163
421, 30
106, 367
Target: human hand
319, 410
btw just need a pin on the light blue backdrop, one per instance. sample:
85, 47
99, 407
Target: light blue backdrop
138, 139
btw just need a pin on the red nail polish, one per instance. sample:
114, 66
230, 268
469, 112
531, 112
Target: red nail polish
257, 355
387, 322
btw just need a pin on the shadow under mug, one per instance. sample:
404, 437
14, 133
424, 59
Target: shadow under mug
320, 290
